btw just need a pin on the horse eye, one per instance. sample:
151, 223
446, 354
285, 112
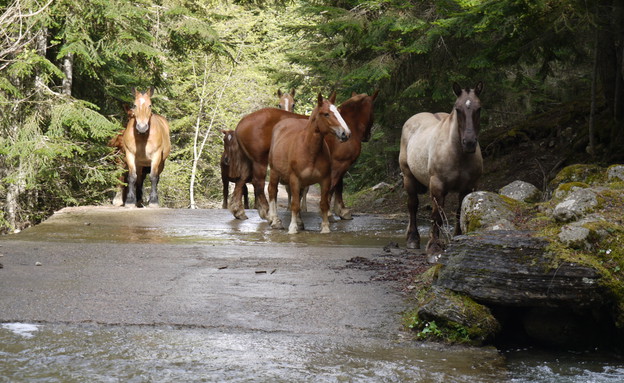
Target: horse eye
326, 115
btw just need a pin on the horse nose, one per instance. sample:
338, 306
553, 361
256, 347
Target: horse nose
470, 146
345, 136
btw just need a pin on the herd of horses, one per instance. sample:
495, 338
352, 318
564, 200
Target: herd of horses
439, 153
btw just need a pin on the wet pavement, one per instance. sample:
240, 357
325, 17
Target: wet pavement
104, 294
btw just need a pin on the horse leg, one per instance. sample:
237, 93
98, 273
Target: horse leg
412, 187
246, 196
122, 191
153, 198
304, 199
295, 206
435, 246
324, 205
141, 174
259, 177
235, 205
131, 197
339, 207
274, 220
226, 190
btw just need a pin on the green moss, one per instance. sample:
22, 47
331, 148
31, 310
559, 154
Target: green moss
588, 174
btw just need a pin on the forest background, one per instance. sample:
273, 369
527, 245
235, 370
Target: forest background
67, 68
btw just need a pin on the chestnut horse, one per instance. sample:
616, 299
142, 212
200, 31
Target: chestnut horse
300, 157
147, 145
358, 114
441, 152
253, 133
117, 143
229, 166
286, 100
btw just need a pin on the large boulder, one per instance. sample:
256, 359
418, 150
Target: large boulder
512, 268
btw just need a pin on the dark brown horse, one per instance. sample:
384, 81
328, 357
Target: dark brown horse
440, 152
286, 100
253, 133
358, 114
300, 157
146, 145
229, 166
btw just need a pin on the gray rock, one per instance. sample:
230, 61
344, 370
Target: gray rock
514, 269
521, 191
583, 233
615, 173
575, 205
482, 211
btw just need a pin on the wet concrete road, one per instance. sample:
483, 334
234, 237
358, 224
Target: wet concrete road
198, 268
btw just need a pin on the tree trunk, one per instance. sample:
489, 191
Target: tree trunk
68, 70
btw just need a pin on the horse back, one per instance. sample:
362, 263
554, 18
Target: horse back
418, 138
255, 130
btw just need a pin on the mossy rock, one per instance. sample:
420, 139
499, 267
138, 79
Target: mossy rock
448, 316
587, 174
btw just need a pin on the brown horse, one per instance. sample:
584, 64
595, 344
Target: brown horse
147, 145
117, 143
229, 167
253, 133
440, 152
300, 157
358, 114
286, 100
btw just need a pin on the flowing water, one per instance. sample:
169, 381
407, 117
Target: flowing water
274, 346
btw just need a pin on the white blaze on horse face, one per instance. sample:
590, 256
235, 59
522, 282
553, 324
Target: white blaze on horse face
286, 105
342, 122
468, 104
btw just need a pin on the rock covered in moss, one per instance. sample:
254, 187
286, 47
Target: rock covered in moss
521, 191
588, 174
516, 269
615, 173
453, 311
583, 234
576, 205
486, 211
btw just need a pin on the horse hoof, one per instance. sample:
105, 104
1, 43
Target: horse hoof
153, 206
413, 245
434, 248
277, 224
293, 229
325, 230
433, 258
346, 216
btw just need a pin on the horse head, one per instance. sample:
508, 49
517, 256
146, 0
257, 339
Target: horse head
358, 110
142, 109
328, 118
467, 111
286, 100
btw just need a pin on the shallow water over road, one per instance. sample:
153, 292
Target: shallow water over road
115, 295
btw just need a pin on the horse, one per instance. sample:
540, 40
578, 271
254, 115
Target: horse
231, 154
357, 111
253, 134
441, 152
300, 157
147, 145
286, 100
117, 143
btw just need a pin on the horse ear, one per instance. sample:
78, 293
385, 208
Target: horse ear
332, 97
279, 93
457, 89
292, 92
134, 91
375, 94
151, 91
353, 94
319, 101
479, 88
